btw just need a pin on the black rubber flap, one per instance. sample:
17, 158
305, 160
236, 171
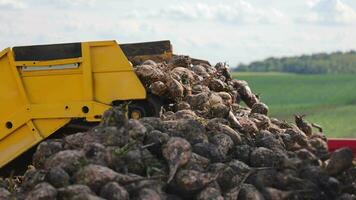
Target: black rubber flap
48, 52
146, 48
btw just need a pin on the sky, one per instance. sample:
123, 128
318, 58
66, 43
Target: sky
232, 31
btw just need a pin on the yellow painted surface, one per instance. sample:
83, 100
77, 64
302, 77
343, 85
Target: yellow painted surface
20, 140
37, 103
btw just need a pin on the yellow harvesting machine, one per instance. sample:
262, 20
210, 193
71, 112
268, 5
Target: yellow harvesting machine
44, 87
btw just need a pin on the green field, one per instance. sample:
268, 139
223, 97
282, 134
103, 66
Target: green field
328, 100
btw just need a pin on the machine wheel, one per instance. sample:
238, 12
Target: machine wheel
145, 108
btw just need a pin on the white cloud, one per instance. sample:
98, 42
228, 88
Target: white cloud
330, 12
66, 3
12, 4
311, 3
77, 2
236, 12
216, 30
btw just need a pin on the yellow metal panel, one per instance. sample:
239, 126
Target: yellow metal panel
102, 43
54, 88
37, 103
111, 86
54, 112
10, 97
4, 52
109, 58
114, 76
15, 75
51, 72
16, 143
17, 119
87, 72
47, 127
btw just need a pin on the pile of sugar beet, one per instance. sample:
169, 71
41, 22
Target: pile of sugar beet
213, 141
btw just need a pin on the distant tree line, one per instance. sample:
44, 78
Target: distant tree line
321, 63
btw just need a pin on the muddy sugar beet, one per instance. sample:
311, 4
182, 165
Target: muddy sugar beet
204, 145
